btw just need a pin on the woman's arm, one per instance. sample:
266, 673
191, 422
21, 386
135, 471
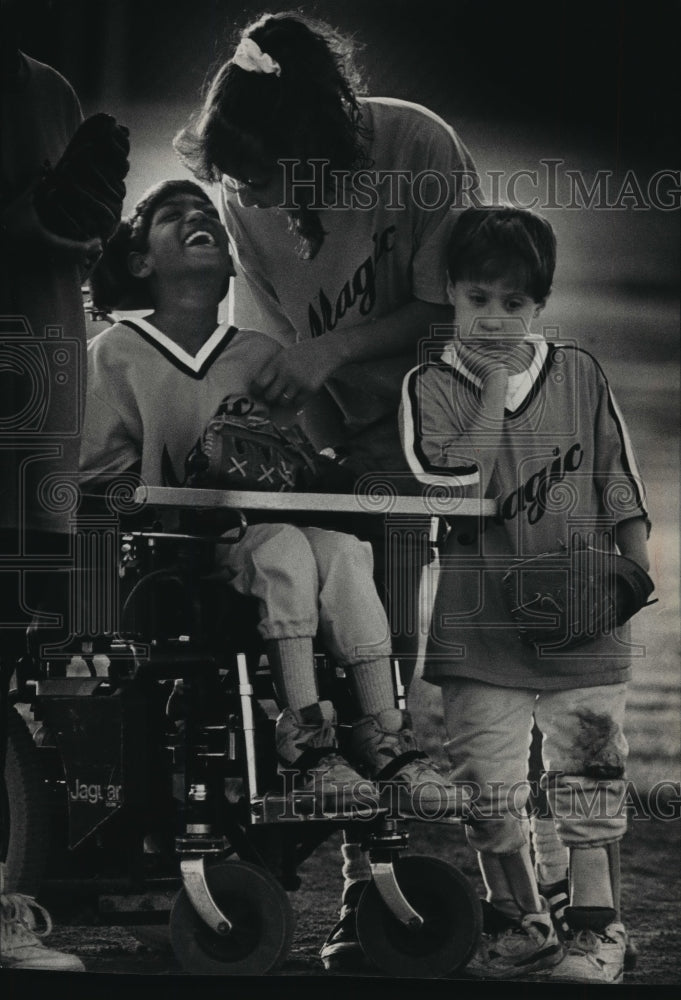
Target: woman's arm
301, 370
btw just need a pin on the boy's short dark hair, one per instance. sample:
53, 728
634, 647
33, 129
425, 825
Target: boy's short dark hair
490, 241
112, 286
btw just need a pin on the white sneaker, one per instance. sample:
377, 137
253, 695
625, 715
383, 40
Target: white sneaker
526, 946
23, 923
594, 957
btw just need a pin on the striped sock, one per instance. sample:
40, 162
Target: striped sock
558, 898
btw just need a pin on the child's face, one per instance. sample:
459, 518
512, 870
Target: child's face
496, 315
186, 234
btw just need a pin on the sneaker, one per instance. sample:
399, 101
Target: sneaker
557, 896
23, 923
306, 743
594, 956
517, 947
342, 952
385, 746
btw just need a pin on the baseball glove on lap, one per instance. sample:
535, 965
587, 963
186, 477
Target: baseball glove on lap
81, 197
564, 599
252, 453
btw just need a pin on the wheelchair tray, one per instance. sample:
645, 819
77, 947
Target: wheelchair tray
347, 503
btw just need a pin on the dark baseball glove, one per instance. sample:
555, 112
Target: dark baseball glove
568, 598
81, 196
252, 453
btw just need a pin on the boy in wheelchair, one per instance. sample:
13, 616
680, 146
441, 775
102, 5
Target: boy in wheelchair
153, 385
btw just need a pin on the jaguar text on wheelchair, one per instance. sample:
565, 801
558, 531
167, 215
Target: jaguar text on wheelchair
141, 771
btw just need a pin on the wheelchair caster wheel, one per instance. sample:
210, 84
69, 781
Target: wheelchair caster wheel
260, 914
452, 921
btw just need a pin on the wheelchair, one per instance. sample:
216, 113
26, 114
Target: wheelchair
141, 773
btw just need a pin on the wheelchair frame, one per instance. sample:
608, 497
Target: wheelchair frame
232, 859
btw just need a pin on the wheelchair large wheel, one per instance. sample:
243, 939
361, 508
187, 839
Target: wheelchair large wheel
25, 807
262, 924
452, 921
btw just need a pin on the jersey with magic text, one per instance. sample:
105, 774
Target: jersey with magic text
385, 245
564, 470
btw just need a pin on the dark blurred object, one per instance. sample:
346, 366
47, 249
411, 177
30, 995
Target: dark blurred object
82, 196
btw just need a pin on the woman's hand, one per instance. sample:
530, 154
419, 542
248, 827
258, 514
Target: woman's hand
291, 376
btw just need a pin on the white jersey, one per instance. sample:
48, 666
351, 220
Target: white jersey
564, 469
376, 257
149, 401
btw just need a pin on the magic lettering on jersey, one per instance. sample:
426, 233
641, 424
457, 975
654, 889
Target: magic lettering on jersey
531, 496
359, 290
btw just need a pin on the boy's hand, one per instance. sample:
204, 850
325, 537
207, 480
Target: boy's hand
494, 360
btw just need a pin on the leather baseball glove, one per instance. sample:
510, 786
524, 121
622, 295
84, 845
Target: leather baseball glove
252, 453
568, 598
81, 196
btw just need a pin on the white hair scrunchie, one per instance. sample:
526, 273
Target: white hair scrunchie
250, 56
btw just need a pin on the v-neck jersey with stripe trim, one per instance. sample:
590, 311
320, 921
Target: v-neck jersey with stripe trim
564, 465
148, 401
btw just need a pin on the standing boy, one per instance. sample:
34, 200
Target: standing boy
502, 414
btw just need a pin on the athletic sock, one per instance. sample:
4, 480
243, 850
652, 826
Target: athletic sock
372, 683
551, 857
355, 866
292, 664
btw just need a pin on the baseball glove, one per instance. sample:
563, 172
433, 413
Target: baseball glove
81, 197
252, 453
565, 599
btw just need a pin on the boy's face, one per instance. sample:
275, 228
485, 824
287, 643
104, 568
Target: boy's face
495, 315
186, 235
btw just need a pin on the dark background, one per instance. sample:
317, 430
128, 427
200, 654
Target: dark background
595, 84
606, 71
